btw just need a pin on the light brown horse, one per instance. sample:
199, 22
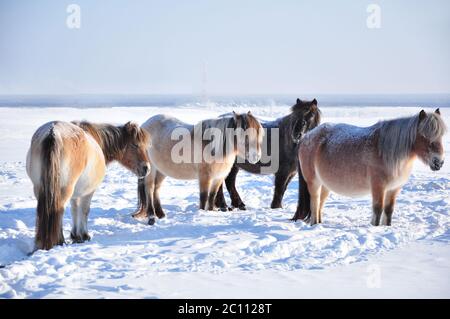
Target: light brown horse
205, 157
375, 160
68, 161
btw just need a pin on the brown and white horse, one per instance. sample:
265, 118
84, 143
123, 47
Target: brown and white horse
374, 160
240, 134
68, 161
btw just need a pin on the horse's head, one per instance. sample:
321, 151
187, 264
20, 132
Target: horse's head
428, 145
305, 117
135, 155
249, 136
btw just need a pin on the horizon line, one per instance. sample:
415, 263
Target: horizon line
221, 94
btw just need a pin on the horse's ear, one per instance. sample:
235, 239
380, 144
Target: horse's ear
314, 102
422, 115
299, 101
249, 113
437, 111
235, 119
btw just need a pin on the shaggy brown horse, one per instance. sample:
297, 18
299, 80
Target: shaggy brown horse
375, 160
68, 161
204, 158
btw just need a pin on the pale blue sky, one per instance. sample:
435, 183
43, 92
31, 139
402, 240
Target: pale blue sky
257, 46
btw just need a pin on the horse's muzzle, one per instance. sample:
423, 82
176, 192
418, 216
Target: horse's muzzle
436, 164
143, 170
253, 158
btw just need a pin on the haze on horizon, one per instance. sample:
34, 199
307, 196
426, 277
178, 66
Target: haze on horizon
224, 47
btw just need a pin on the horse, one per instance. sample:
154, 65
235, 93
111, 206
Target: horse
240, 134
355, 161
304, 116
68, 161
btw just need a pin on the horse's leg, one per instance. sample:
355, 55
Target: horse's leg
75, 210
66, 194
220, 199
145, 192
230, 181
156, 201
378, 194
303, 211
150, 189
323, 197
282, 179
391, 196
215, 185
205, 185
148, 211
84, 208
314, 192
141, 211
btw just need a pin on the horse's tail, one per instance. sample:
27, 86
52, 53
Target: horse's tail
50, 208
303, 205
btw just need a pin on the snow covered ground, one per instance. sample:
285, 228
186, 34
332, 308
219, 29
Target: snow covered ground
255, 253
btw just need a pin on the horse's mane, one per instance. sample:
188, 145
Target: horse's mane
397, 137
221, 123
113, 139
249, 121
228, 121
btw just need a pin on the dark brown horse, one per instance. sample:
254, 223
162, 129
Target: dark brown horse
304, 116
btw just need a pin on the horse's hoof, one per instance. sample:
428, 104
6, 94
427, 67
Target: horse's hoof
224, 209
160, 215
139, 214
275, 206
86, 237
151, 221
77, 240
313, 223
242, 207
